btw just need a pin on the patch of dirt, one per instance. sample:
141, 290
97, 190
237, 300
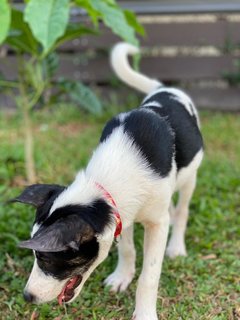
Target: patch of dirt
236, 313
18, 181
71, 129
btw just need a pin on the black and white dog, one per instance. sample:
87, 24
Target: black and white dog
143, 157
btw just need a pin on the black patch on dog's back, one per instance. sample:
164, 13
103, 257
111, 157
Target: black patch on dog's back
154, 138
188, 138
109, 127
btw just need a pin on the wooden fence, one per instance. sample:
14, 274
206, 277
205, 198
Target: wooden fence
197, 52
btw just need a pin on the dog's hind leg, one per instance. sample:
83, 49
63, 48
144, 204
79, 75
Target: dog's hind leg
176, 246
125, 270
172, 210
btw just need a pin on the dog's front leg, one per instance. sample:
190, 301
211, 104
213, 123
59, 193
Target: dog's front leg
155, 238
125, 270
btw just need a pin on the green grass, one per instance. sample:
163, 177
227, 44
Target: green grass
204, 285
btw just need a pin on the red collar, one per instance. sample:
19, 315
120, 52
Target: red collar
117, 216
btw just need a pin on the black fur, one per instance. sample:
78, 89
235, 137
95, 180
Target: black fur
153, 136
188, 138
98, 215
108, 129
38, 194
68, 263
43, 211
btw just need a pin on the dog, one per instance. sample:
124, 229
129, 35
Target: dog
144, 156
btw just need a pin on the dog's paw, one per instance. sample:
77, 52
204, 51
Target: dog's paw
174, 251
119, 281
144, 315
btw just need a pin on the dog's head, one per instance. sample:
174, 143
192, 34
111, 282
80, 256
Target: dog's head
69, 242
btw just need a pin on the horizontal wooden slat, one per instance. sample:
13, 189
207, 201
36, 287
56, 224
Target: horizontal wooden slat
168, 34
178, 68
216, 98
179, 6
213, 98
173, 6
192, 34
189, 68
97, 69
8, 67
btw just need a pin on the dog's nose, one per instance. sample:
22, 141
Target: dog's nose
28, 296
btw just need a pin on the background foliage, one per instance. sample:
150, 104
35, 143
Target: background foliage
41, 28
35, 34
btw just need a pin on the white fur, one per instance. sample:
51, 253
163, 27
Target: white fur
35, 229
123, 70
125, 270
124, 173
122, 116
185, 174
81, 191
152, 104
186, 181
43, 287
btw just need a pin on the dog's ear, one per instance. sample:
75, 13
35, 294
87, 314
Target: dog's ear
38, 194
70, 232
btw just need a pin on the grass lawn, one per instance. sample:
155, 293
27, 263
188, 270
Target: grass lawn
204, 285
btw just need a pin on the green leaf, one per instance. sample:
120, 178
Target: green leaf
93, 14
114, 18
82, 95
74, 31
133, 22
20, 36
5, 19
48, 20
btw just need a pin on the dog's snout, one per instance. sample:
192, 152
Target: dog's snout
28, 296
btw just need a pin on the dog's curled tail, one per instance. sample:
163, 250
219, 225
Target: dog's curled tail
122, 68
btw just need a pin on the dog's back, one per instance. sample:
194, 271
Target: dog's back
172, 105
183, 119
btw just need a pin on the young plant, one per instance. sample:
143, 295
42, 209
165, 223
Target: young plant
34, 34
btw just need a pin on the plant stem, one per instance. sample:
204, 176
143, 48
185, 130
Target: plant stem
35, 98
26, 102
29, 146
9, 84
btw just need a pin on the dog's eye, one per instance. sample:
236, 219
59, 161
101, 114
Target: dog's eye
42, 258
